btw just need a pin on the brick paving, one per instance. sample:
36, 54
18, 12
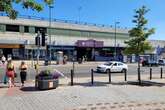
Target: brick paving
107, 97
84, 96
123, 106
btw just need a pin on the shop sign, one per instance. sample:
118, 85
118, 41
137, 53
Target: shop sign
89, 43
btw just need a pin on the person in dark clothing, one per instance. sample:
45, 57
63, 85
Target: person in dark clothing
23, 72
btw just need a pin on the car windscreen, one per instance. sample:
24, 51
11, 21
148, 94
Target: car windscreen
108, 63
160, 61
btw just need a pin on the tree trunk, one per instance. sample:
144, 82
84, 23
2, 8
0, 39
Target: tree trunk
139, 75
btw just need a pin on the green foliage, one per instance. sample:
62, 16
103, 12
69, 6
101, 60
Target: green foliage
7, 6
137, 43
49, 2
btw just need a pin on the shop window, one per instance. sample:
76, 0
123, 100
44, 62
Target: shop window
12, 28
2, 28
26, 29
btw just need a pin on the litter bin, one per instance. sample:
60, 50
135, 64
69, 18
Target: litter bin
46, 62
80, 60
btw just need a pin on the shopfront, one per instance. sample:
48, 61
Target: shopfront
65, 49
31, 52
12, 50
88, 48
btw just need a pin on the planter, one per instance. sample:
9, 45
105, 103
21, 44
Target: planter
45, 84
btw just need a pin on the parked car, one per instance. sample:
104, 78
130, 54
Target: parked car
149, 63
112, 66
161, 62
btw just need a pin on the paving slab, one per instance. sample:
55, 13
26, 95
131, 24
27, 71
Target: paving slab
119, 95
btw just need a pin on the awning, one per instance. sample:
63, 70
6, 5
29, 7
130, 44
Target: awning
16, 46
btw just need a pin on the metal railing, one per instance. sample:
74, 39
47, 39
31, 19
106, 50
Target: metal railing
64, 21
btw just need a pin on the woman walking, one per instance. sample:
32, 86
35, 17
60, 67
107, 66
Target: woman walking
23, 72
10, 73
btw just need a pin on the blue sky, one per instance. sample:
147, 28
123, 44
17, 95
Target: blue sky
106, 12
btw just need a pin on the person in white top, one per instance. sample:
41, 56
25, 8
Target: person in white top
3, 59
3, 69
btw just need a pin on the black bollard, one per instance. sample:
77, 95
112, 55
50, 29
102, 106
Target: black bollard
161, 72
109, 74
71, 77
150, 73
139, 78
125, 74
92, 76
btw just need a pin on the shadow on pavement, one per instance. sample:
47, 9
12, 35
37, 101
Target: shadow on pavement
89, 84
33, 89
142, 84
135, 83
146, 83
29, 89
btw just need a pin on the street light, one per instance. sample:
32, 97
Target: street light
50, 17
73, 60
115, 39
79, 9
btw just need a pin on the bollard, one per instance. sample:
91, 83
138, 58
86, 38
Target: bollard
125, 74
161, 72
139, 78
109, 74
71, 77
92, 76
150, 73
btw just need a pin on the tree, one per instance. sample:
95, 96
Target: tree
138, 44
7, 6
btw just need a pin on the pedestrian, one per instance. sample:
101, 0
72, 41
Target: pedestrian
10, 72
85, 58
65, 59
3, 69
23, 72
3, 59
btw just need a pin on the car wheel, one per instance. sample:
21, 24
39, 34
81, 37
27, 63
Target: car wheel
124, 70
108, 70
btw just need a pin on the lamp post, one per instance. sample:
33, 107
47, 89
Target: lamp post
79, 9
73, 59
115, 40
38, 37
50, 17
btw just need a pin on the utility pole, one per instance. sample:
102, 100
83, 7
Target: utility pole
50, 18
79, 9
38, 41
115, 55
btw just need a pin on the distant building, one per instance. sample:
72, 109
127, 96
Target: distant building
158, 48
96, 42
78, 40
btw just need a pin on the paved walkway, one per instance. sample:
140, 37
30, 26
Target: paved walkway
118, 95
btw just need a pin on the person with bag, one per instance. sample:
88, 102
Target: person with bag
10, 72
23, 72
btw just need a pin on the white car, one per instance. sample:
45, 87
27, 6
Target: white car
112, 66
